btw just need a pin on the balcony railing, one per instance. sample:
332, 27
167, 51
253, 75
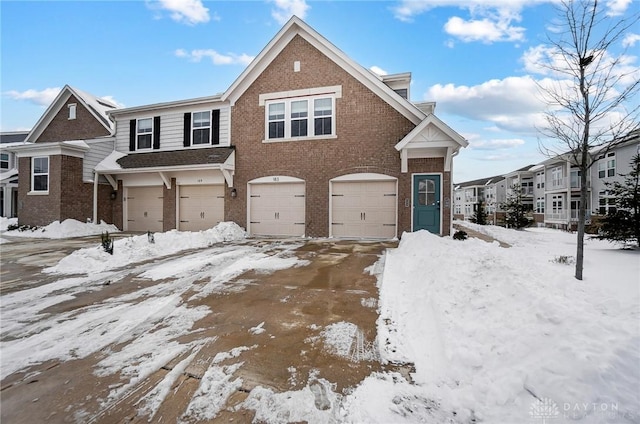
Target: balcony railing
555, 216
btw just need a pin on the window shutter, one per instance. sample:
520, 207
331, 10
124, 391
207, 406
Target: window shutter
215, 126
187, 129
156, 132
132, 135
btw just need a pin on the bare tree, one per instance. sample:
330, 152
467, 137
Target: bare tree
591, 103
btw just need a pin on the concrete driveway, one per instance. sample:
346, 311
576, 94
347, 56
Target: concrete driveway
185, 338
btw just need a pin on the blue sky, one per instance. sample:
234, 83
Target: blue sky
475, 58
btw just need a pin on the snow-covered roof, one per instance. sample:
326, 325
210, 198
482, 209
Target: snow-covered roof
98, 107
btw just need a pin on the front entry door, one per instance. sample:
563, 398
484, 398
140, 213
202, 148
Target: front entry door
426, 203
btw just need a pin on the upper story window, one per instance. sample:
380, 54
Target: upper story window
540, 179
4, 160
607, 165
72, 111
40, 174
144, 133
300, 117
201, 128
556, 177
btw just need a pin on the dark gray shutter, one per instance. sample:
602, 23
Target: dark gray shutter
156, 132
215, 126
132, 135
187, 129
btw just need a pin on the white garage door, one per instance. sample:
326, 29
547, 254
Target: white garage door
277, 209
363, 209
144, 209
200, 207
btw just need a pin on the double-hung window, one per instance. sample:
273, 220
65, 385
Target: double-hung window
4, 160
313, 116
144, 133
607, 165
556, 177
40, 174
201, 128
606, 203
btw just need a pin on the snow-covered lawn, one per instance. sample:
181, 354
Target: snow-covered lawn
496, 335
57, 230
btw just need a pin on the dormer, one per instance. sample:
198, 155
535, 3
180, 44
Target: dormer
400, 83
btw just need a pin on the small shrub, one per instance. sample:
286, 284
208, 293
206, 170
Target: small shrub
150, 237
460, 235
107, 243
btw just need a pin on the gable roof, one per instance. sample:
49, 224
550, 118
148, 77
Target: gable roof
480, 182
13, 137
96, 106
296, 26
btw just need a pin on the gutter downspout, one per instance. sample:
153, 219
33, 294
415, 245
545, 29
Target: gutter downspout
95, 196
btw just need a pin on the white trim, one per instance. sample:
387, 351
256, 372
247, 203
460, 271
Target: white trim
310, 118
33, 175
72, 107
441, 176
68, 148
275, 179
210, 127
334, 90
144, 149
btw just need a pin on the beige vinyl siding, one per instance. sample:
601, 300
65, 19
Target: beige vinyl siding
171, 127
99, 149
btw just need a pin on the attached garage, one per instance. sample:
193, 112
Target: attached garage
200, 207
276, 207
364, 206
144, 209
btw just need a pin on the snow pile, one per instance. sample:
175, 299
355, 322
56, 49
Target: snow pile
492, 330
139, 248
65, 229
5, 222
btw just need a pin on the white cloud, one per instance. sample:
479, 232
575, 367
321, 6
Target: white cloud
497, 144
216, 58
630, 40
377, 70
617, 7
511, 104
190, 12
43, 97
285, 9
485, 30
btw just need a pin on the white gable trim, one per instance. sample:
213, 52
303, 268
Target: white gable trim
432, 138
296, 26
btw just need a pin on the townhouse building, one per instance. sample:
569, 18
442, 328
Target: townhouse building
306, 142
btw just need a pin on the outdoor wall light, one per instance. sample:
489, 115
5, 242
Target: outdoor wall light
234, 193
113, 195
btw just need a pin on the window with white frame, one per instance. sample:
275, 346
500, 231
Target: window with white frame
40, 174
144, 133
557, 201
540, 179
201, 128
540, 205
556, 177
606, 203
72, 111
4, 160
300, 117
607, 165
458, 209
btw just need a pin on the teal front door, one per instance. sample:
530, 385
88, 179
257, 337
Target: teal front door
426, 203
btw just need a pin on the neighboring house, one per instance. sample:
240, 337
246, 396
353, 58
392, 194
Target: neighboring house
56, 166
552, 187
9, 172
304, 142
469, 194
609, 168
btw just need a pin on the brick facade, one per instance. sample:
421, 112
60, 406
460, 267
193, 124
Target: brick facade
68, 197
367, 130
169, 206
84, 127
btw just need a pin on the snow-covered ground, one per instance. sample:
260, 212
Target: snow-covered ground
57, 230
496, 335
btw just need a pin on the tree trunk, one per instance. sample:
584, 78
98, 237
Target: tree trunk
582, 215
